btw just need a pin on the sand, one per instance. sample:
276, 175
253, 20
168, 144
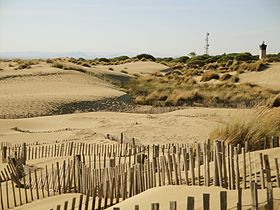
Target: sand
181, 126
163, 195
268, 78
139, 67
42, 90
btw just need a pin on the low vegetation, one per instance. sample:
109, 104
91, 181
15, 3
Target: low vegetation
263, 123
180, 89
207, 76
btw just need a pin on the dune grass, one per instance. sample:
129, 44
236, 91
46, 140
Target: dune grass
265, 122
181, 90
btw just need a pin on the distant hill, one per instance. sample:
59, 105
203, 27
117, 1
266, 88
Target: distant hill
86, 55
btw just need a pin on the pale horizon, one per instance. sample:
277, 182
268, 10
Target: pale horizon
160, 28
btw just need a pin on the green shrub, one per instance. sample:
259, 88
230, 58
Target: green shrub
163, 60
120, 58
197, 61
182, 59
105, 60
146, 56
273, 57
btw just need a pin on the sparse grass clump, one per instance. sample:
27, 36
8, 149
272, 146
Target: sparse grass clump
57, 65
85, 64
68, 67
124, 71
235, 79
255, 66
263, 123
225, 77
207, 76
275, 102
23, 66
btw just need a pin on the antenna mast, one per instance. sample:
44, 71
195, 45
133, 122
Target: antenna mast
207, 44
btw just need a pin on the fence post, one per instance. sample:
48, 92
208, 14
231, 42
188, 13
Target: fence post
223, 200
58, 178
173, 205
80, 202
261, 170
206, 201
24, 153
1, 197
65, 205
277, 172
254, 194
73, 204
267, 168
155, 206
190, 203
87, 200
36, 183
4, 154
269, 193
239, 197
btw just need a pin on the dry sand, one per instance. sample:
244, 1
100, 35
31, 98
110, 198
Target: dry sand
140, 67
163, 195
44, 90
269, 78
41, 89
182, 126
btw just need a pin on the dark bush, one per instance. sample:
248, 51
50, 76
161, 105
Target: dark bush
197, 61
120, 58
103, 60
182, 59
146, 56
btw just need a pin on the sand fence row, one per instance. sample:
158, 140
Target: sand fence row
112, 173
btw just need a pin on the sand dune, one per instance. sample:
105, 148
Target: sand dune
163, 195
42, 90
140, 67
268, 78
182, 126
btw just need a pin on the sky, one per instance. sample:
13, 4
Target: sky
158, 27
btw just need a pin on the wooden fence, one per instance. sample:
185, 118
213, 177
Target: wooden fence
86, 202
112, 173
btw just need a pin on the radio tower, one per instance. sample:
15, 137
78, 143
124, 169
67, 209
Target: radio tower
207, 44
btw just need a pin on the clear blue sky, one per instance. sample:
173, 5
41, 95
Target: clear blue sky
160, 27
